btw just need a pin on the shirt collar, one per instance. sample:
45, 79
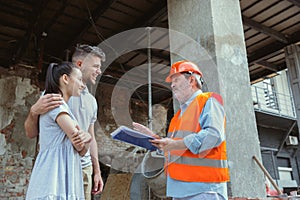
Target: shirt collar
85, 90
187, 103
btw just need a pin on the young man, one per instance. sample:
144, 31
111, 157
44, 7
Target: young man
195, 149
88, 60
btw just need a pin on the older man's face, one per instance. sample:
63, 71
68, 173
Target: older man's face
181, 87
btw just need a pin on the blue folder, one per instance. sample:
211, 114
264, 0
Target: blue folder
131, 136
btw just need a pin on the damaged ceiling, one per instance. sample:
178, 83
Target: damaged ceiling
35, 33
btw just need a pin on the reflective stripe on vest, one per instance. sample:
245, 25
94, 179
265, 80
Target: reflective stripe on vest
199, 162
208, 166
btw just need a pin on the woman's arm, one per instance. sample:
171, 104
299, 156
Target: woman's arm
84, 137
79, 139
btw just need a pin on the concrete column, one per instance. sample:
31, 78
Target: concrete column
292, 57
216, 27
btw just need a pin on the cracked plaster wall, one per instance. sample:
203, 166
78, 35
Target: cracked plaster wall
16, 151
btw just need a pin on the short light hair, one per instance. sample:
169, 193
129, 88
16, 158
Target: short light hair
83, 50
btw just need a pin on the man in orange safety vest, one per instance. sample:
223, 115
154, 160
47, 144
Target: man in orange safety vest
195, 149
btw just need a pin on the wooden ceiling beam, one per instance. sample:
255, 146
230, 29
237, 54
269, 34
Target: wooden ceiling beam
95, 15
266, 51
115, 71
160, 94
157, 13
265, 73
295, 2
155, 54
55, 17
11, 25
151, 17
267, 65
33, 22
12, 10
264, 29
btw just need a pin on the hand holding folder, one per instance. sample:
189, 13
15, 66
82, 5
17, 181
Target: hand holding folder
131, 136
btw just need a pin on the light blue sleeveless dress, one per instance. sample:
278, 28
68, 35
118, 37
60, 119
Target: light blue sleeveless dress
57, 171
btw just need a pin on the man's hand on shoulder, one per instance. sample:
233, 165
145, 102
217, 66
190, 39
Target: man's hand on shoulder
45, 103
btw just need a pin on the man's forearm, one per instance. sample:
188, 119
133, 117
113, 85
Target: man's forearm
31, 125
94, 156
98, 182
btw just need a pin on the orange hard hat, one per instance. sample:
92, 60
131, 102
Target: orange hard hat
183, 66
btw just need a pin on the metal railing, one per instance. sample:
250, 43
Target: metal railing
272, 102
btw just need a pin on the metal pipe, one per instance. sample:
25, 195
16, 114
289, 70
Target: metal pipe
267, 174
148, 29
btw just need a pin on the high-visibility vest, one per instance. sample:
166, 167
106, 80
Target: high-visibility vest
209, 166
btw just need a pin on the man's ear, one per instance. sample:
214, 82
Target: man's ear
79, 63
193, 79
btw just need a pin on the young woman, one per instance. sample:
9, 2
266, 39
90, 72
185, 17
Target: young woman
57, 170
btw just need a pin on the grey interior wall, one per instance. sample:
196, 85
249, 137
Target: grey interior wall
216, 26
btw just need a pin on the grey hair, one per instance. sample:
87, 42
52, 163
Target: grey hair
198, 79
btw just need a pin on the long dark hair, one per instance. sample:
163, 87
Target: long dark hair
54, 72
